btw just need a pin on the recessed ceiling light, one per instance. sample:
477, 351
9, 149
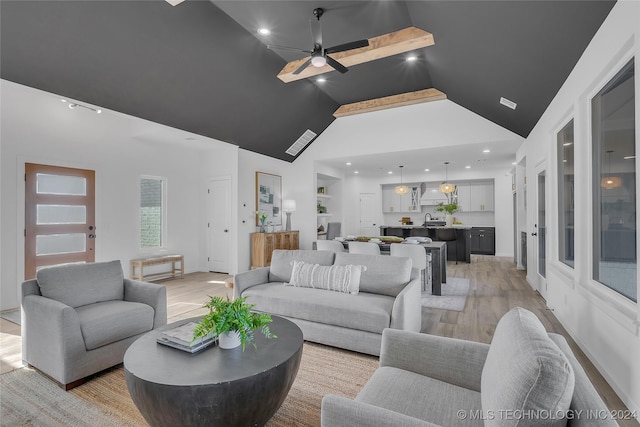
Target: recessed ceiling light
411, 58
390, 172
508, 103
514, 163
426, 170
348, 163
486, 151
356, 172
321, 80
264, 31
467, 167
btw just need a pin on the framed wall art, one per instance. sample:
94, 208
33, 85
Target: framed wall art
268, 199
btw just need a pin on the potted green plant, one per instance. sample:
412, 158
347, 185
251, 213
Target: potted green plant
233, 322
449, 209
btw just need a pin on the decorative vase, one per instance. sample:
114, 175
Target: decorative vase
448, 219
262, 229
229, 340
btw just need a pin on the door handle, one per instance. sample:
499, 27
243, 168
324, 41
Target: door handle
92, 236
534, 234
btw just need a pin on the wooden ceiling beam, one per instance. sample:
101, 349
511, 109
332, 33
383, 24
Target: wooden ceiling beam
405, 40
393, 101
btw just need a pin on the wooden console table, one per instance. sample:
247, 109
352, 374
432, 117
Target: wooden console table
263, 244
140, 263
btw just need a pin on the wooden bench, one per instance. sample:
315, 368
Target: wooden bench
147, 262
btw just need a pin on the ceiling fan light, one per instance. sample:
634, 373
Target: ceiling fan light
318, 61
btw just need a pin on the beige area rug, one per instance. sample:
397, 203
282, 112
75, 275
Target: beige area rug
454, 295
28, 398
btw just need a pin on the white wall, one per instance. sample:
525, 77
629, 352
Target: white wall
429, 125
604, 324
249, 164
37, 127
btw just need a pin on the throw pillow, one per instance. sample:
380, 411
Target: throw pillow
339, 278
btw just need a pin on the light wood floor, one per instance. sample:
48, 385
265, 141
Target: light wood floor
495, 287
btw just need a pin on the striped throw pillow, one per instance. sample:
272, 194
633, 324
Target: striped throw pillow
339, 278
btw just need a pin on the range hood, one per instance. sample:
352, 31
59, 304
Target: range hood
431, 196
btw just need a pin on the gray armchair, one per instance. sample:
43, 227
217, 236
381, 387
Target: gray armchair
525, 377
79, 319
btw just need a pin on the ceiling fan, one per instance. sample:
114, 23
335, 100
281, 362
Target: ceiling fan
318, 57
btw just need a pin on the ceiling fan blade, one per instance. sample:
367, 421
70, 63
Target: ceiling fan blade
303, 66
336, 65
295, 49
316, 31
348, 46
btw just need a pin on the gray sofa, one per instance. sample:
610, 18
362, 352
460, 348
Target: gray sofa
525, 377
389, 297
79, 319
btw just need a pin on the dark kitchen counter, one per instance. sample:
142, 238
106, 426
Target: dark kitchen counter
457, 250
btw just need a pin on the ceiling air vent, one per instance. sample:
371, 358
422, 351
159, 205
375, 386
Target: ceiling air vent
301, 142
507, 103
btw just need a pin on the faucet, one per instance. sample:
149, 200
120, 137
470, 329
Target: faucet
425, 218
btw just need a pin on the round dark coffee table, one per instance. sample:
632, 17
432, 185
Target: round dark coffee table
171, 387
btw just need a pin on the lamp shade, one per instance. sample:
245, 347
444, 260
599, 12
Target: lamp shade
401, 189
289, 205
447, 188
610, 182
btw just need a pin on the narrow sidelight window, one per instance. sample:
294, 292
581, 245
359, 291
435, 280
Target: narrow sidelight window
614, 184
152, 221
566, 199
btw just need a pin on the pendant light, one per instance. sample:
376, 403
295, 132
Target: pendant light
609, 182
401, 189
447, 187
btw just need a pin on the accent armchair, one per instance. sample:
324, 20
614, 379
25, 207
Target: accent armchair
79, 319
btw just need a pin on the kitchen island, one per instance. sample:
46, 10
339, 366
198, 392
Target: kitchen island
457, 250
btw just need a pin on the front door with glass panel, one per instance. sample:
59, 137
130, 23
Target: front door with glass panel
59, 216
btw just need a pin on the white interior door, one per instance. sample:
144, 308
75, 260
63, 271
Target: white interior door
368, 209
540, 232
218, 224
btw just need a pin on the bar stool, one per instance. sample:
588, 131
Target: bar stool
448, 235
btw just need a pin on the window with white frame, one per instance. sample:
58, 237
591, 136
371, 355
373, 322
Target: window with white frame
614, 184
152, 218
566, 199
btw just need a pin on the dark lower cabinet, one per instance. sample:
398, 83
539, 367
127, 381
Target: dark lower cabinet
483, 240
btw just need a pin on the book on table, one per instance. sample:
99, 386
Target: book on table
181, 337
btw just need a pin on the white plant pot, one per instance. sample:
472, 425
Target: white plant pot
229, 340
449, 219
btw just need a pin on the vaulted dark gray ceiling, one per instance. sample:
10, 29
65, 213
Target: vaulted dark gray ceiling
202, 67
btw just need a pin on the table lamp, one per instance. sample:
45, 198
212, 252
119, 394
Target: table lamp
288, 206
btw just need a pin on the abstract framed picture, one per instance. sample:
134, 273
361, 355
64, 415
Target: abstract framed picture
268, 198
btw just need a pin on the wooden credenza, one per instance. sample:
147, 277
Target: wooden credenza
263, 244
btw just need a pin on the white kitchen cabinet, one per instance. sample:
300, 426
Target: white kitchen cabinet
481, 197
405, 203
464, 197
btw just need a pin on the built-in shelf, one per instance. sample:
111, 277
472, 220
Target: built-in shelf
327, 214
323, 196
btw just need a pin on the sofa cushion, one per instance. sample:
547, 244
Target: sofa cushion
106, 322
281, 267
339, 278
385, 275
364, 312
81, 284
422, 397
525, 371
